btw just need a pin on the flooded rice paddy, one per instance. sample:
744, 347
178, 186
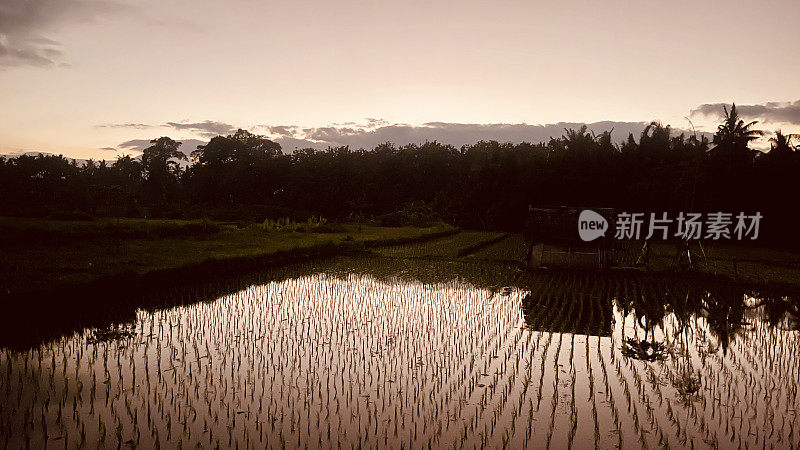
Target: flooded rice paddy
369, 352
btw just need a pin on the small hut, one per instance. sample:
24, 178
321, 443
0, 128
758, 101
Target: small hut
552, 234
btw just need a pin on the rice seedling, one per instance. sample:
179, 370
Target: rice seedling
411, 353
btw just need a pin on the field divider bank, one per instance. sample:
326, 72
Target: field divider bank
449, 246
466, 251
374, 243
144, 263
81, 301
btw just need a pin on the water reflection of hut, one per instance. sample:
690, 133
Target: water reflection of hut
594, 320
552, 234
564, 302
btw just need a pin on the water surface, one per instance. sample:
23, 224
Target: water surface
411, 354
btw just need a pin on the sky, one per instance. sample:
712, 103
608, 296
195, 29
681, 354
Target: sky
96, 78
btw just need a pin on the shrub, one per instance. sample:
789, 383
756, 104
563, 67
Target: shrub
417, 214
281, 225
312, 225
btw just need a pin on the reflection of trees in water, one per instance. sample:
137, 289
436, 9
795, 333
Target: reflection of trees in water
647, 302
712, 307
108, 308
723, 310
784, 312
727, 310
649, 307
576, 302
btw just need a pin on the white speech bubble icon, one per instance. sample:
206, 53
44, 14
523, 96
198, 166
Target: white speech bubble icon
591, 225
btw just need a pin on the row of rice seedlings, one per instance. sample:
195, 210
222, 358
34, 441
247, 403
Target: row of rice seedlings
542, 311
756, 387
636, 403
573, 417
555, 399
655, 382
544, 314
734, 390
683, 376
642, 403
330, 362
176, 350
719, 370
751, 388
569, 317
775, 352
591, 397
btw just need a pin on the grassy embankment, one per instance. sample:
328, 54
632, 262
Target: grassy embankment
738, 262
44, 254
748, 264
40, 255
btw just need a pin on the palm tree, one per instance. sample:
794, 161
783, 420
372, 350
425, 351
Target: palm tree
781, 143
578, 140
733, 132
724, 310
731, 141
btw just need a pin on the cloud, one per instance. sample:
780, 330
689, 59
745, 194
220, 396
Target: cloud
138, 145
282, 130
134, 145
375, 132
24, 25
134, 126
375, 123
289, 144
15, 51
771, 112
207, 128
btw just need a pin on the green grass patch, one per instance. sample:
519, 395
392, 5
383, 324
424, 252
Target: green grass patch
44, 254
742, 263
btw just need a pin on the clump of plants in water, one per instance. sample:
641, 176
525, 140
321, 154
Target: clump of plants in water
644, 350
688, 385
111, 333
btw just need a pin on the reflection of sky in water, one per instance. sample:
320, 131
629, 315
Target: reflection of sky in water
326, 361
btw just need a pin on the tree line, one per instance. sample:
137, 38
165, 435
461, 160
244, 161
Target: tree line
487, 185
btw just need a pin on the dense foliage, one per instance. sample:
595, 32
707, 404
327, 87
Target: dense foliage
488, 185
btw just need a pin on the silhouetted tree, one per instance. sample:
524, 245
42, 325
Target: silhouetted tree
161, 172
485, 185
781, 144
734, 133
241, 167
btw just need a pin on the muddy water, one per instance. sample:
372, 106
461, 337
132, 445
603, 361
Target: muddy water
388, 353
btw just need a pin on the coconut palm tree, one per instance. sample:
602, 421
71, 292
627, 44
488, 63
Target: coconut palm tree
734, 134
781, 143
578, 140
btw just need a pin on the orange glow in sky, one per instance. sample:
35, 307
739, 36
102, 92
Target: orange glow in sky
78, 77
